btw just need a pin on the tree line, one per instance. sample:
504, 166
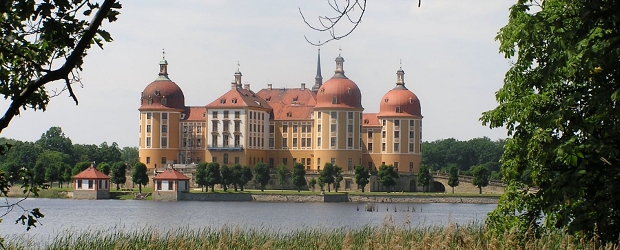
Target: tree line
465, 156
54, 158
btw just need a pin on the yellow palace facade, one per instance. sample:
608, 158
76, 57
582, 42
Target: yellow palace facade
312, 126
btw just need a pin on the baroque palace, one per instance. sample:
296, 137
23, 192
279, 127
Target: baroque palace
312, 126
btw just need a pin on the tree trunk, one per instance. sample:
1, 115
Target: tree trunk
262, 188
241, 188
480, 187
363, 188
298, 189
140, 188
328, 189
452, 190
213, 188
118, 186
235, 185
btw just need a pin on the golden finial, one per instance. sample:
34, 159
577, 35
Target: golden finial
401, 63
339, 51
238, 65
163, 52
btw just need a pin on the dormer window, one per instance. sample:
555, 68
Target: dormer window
295, 98
398, 109
334, 100
322, 90
289, 114
366, 121
164, 101
411, 101
386, 100
157, 92
349, 91
222, 101
234, 100
150, 100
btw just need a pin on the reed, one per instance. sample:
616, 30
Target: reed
387, 236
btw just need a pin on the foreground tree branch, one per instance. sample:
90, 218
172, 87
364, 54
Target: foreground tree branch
343, 12
72, 62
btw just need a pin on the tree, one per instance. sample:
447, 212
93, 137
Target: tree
11, 170
261, 175
38, 38
327, 174
201, 175
129, 155
559, 103
312, 183
104, 168
337, 177
55, 140
453, 178
48, 166
35, 39
387, 176
246, 176
362, 176
139, 175
79, 167
227, 176
480, 177
237, 175
282, 172
321, 183
424, 178
119, 169
213, 176
298, 176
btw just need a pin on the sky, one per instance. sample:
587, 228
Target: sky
447, 48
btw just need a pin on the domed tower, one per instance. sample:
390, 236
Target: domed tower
162, 104
337, 121
401, 127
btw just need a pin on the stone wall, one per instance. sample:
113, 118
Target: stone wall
91, 194
164, 196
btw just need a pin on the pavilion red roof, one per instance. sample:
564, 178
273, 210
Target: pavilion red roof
170, 174
91, 173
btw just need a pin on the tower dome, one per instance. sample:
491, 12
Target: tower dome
339, 91
162, 93
400, 101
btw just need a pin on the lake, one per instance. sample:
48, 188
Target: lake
79, 215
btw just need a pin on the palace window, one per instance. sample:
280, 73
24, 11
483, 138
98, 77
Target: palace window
350, 115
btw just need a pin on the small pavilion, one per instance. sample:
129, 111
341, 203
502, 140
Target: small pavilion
169, 185
91, 184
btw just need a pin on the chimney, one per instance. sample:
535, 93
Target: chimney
233, 85
246, 86
269, 86
303, 86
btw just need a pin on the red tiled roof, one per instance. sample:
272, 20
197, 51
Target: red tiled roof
239, 98
407, 102
170, 174
195, 113
290, 104
346, 92
370, 120
91, 173
159, 89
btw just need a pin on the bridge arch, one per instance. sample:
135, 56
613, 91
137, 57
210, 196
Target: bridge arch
437, 187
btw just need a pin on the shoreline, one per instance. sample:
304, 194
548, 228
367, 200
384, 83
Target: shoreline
300, 198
